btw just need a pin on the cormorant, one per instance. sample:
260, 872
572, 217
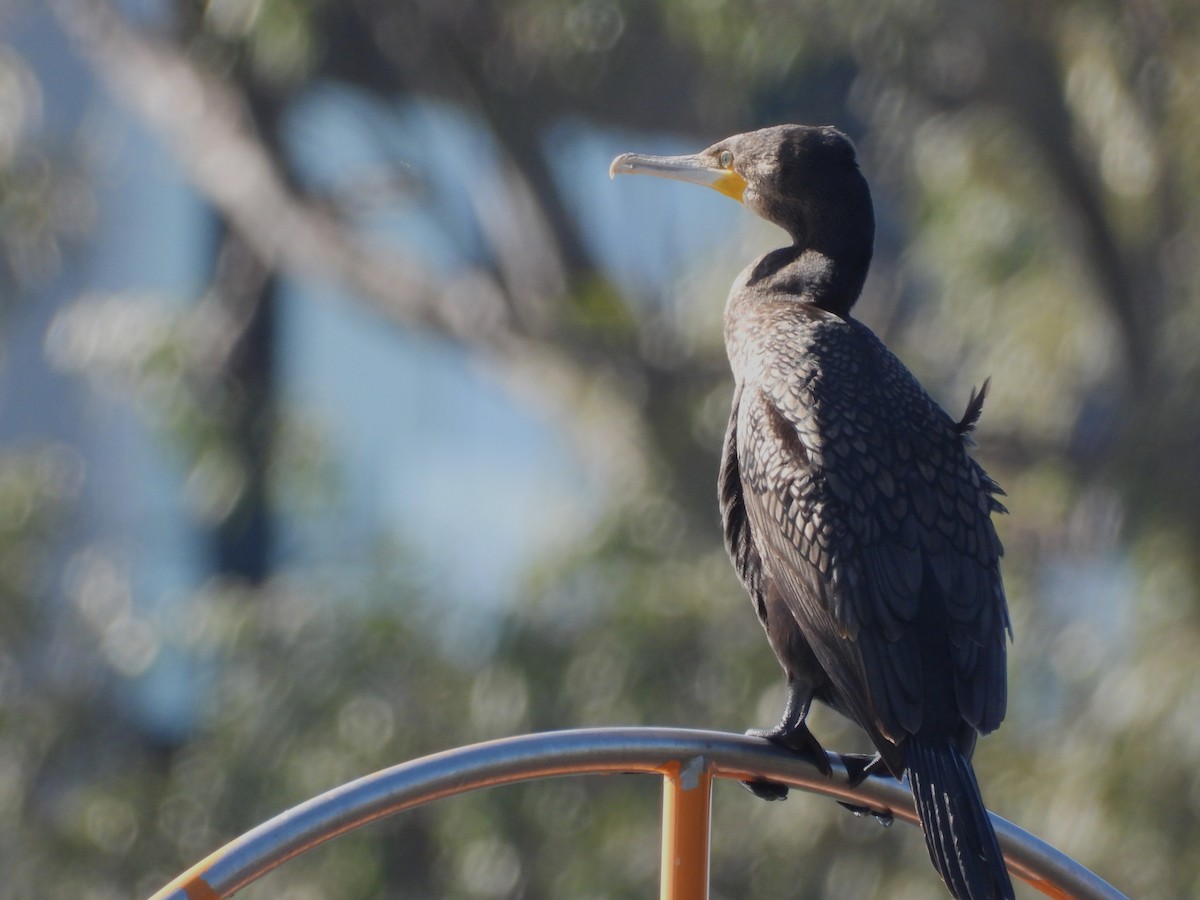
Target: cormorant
853, 513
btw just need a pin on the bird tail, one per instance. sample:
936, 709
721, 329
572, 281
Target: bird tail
957, 829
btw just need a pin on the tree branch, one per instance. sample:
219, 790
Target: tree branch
208, 131
204, 122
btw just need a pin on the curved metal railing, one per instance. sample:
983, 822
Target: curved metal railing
686, 759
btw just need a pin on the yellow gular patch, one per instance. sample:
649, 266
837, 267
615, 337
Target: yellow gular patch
731, 184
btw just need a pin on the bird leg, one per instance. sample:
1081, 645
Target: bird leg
792, 733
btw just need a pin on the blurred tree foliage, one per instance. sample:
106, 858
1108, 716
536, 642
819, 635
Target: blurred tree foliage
1035, 169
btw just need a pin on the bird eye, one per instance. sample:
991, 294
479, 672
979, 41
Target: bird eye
725, 159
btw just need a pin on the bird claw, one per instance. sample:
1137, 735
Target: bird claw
800, 741
858, 769
765, 789
883, 816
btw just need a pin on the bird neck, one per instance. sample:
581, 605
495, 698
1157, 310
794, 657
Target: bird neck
811, 276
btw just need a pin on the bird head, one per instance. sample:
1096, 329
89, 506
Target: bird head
803, 178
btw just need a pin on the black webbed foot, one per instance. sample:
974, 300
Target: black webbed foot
765, 789
797, 738
883, 816
858, 769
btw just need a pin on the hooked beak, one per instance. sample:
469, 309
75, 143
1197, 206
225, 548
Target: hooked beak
694, 169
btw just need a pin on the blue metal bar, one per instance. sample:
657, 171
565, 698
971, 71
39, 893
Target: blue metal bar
584, 752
